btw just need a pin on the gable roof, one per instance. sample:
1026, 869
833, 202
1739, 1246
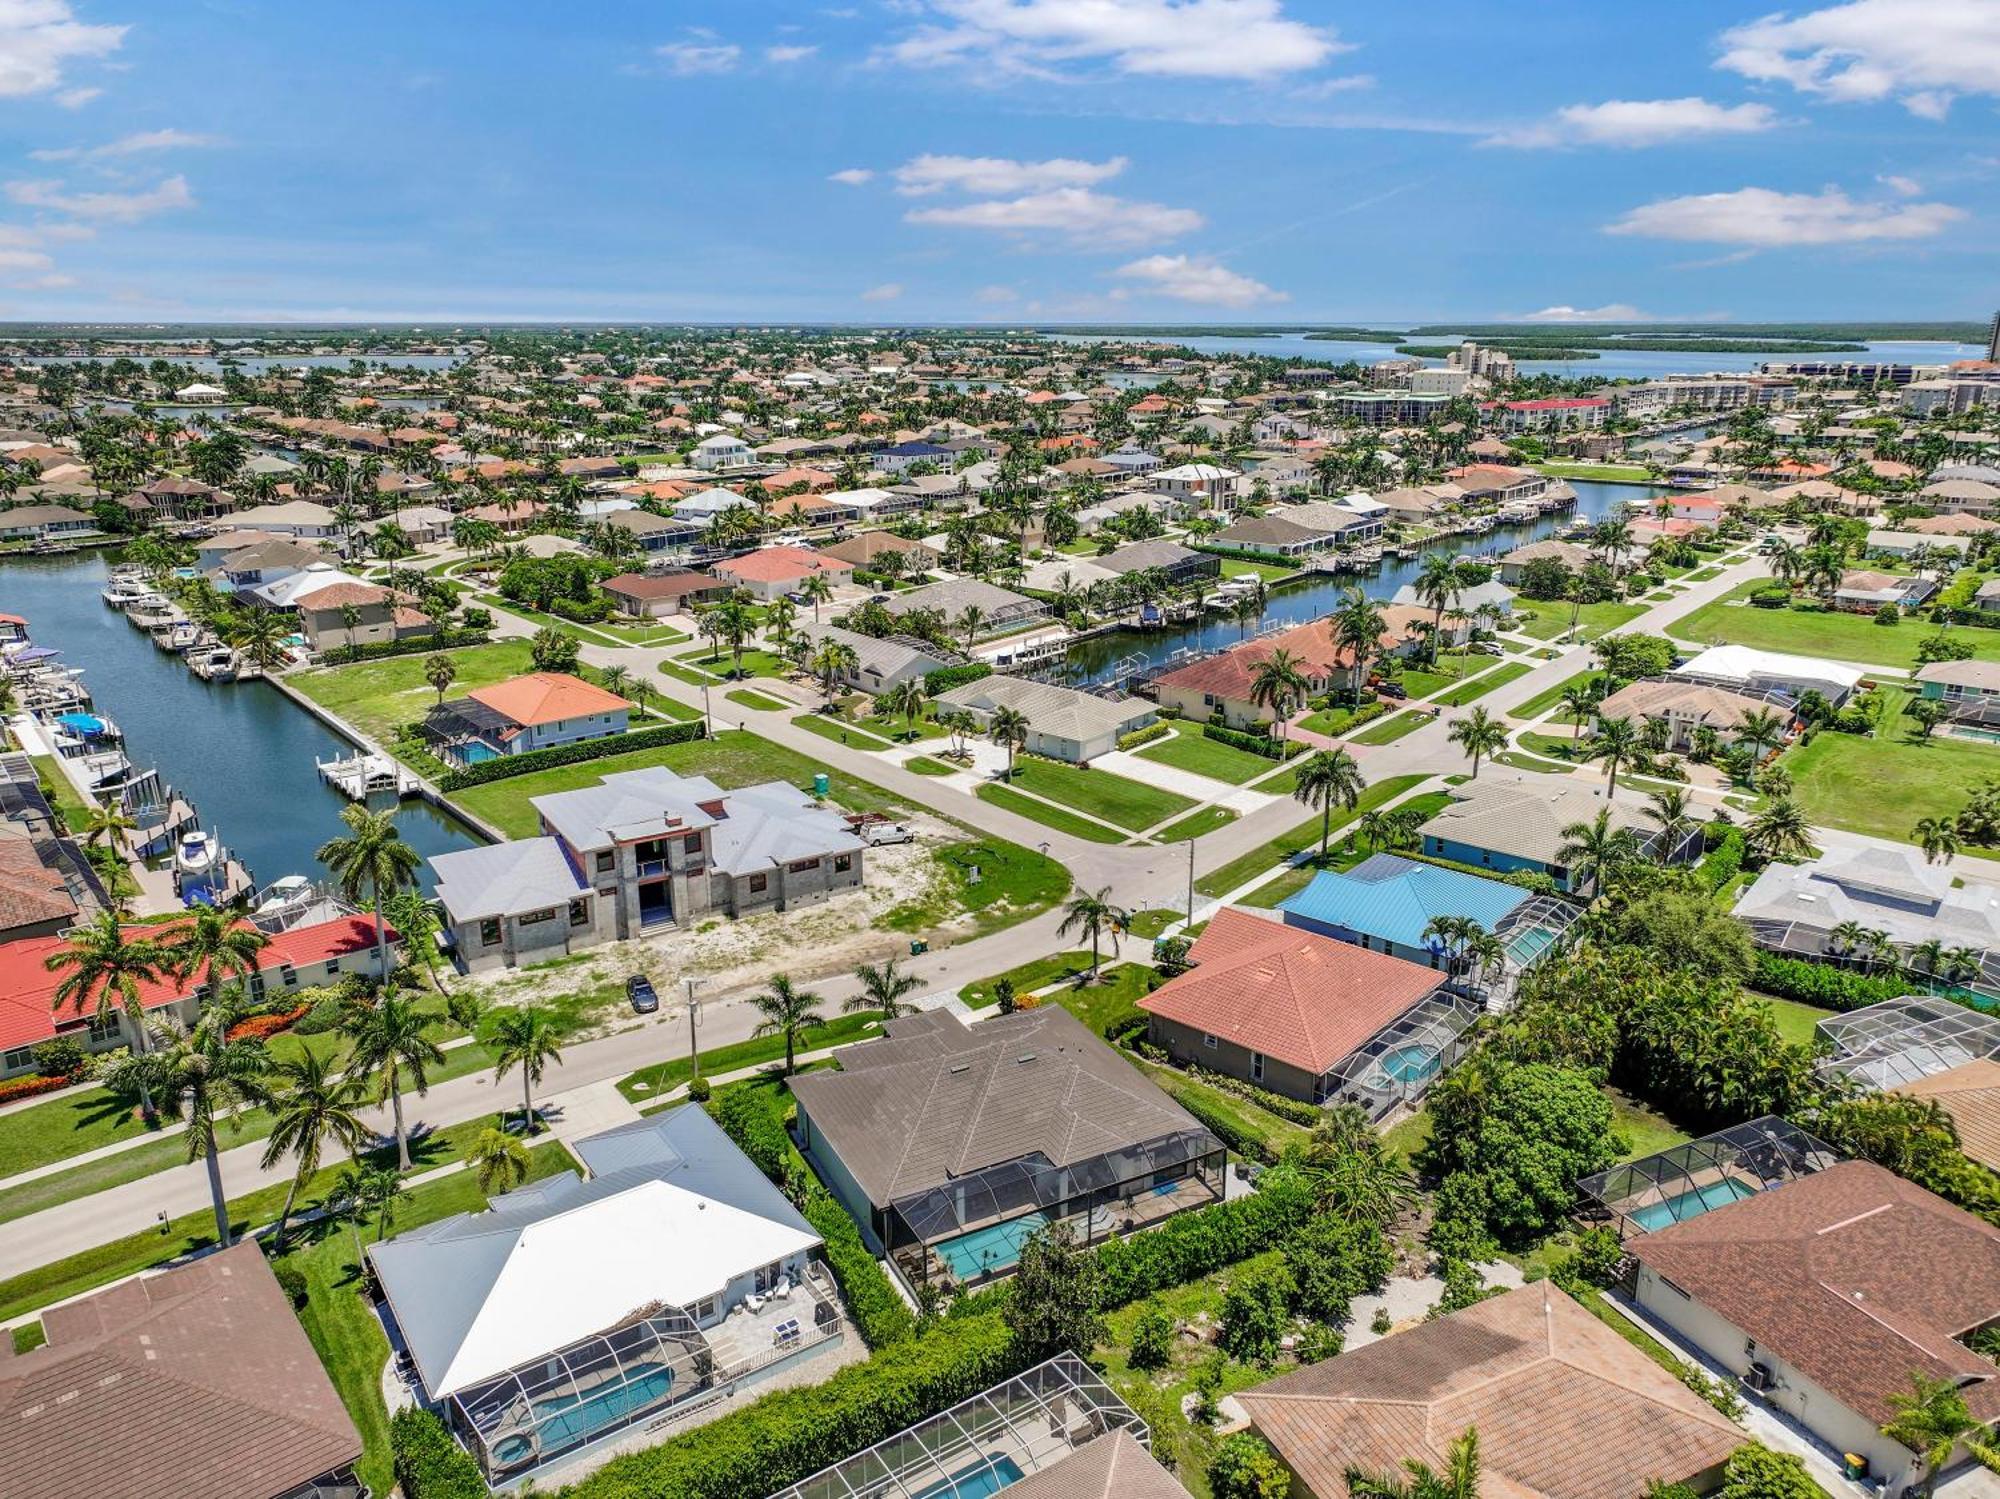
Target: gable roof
775, 564
1564, 1407
546, 697
1304, 999
1394, 898
1112, 1466
1853, 1276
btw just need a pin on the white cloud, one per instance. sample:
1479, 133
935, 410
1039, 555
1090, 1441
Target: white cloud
686, 59
1639, 122
76, 98
789, 54
24, 260
1764, 219
1086, 218
130, 145
1188, 278
38, 37
1610, 312
1155, 38
994, 176
852, 176
114, 208
1902, 187
1918, 52
888, 291
996, 296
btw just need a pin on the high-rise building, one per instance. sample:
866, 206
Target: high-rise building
1993, 339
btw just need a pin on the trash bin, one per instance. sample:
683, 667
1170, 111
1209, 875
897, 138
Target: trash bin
1854, 1465
821, 785
918, 947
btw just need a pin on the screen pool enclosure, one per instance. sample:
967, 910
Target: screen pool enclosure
983, 1445
1401, 1061
1657, 1191
1901, 1040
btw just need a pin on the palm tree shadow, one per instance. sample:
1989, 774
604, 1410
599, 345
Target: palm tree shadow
107, 1109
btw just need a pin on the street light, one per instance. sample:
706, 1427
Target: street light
694, 1045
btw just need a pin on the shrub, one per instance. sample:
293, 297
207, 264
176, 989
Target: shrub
1317, 1343
62, 1057
594, 612
324, 1012
32, 1086
1255, 1313
1770, 596
504, 767
1888, 614
269, 1024
1256, 744
1273, 1103
429, 1464
1823, 984
1381, 1324
1724, 862
291, 1280
420, 645
1222, 1125
1192, 1245
1245, 1467
1152, 1339
947, 677
1146, 735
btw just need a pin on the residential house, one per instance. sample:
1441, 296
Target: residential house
1565, 1408
1307, 1016
171, 498
1904, 543
867, 548
342, 615
1063, 723
206, 1378
1387, 903
879, 664
45, 523
1969, 1093
1969, 689
239, 568
1275, 537
303, 520
1570, 554
1205, 486
904, 456
1225, 684
772, 572
704, 505
1744, 669
724, 450
656, 595
950, 1144
874, 506
1000, 609
538, 711
1864, 591
1492, 595
1521, 823
1689, 707
655, 533
1825, 1295
1178, 564
1352, 521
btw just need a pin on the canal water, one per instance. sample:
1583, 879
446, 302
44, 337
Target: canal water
241, 752
1098, 658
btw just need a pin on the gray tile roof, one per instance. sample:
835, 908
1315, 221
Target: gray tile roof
1061, 712
1526, 819
504, 879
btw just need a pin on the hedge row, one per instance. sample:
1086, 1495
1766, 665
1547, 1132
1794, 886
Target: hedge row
1823, 984
1293, 1109
429, 1464
947, 677
1220, 1124
1257, 744
416, 645
1191, 1245
1146, 735
505, 767
880, 1315
32, 1086
791, 1434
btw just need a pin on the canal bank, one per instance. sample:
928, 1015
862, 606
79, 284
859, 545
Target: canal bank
243, 753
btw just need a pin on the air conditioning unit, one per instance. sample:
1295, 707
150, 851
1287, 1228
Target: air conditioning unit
1758, 1377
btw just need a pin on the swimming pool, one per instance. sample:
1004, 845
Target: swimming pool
978, 1481
1990, 736
567, 1420
1691, 1204
987, 1249
1411, 1064
1525, 947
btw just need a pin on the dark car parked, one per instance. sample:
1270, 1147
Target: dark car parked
639, 990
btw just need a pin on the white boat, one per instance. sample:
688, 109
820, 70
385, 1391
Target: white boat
292, 893
213, 663
123, 593
183, 635
197, 854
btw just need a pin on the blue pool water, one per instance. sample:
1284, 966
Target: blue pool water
984, 1250
1693, 1204
1411, 1064
566, 1421
1525, 947
978, 1481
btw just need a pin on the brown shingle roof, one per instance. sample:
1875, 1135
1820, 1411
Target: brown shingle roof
198, 1381
1564, 1407
1970, 1093
1853, 1276
1113, 1466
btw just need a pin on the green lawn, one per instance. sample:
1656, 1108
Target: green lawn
1884, 783
731, 759
1389, 730
1113, 999
1245, 867
1188, 749
757, 702
1333, 722
378, 696
611, 631
1548, 697
344, 1329
840, 731
1796, 1022
63, 797
753, 662
1030, 976
1151, 923
924, 765
1243, 567
1196, 824
664, 1077
1046, 815
1552, 619
1646, 1133
1127, 803
1844, 637
63, 1127
989, 880
1630, 473
1478, 687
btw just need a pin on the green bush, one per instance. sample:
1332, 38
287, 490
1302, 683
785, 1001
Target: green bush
1221, 1125
1292, 1109
1146, 735
591, 613
429, 1464
791, 1434
63, 1057
1823, 984
291, 1280
1256, 744
1256, 1310
416, 645
1192, 1245
947, 677
1724, 862
505, 767
1152, 1339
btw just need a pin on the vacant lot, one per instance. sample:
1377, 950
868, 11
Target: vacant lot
1592, 620
377, 696
1884, 783
1099, 793
1189, 750
1843, 637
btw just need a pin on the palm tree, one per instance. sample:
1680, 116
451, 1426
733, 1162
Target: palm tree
1931, 1421
1326, 777
1937, 837
312, 1104
108, 824
373, 857
1479, 734
1762, 730
528, 1038
908, 698
260, 635
440, 671
498, 1160
102, 970
882, 988
1579, 702
1593, 850
1674, 812
1438, 583
1780, 831
1614, 741
1278, 683
389, 1041
213, 946
1008, 726
1358, 628
1092, 914
831, 660
208, 1078
787, 1012
416, 919
1458, 1480
817, 588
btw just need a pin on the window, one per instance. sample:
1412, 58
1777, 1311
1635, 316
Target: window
579, 913
842, 863
532, 918
759, 883
606, 861
287, 975
1209, 1041
769, 1276
704, 1309
20, 1056
489, 932
333, 965
1256, 1066
104, 1027
691, 844
800, 866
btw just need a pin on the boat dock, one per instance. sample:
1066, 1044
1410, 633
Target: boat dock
359, 777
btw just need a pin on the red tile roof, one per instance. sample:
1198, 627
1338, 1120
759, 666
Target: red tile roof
546, 697
776, 564
1230, 674
1304, 999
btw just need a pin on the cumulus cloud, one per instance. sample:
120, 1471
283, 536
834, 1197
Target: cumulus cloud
1610, 312
703, 55
888, 291
852, 176
788, 53
995, 176
38, 38
111, 208
1639, 122
1244, 39
130, 145
1086, 218
1919, 52
1763, 219
1188, 278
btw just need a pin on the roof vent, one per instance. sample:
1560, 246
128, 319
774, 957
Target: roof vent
1025, 1057
958, 1067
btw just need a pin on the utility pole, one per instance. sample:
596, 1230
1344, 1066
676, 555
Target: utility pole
1191, 843
694, 1044
707, 717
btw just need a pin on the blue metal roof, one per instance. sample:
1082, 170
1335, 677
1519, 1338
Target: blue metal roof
1395, 899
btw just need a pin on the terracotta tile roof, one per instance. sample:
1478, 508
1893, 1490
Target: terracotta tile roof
1565, 1408
775, 564
1853, 1276
1290, 994
198, 1381
546, 697
1231, 673
1113, 1466
342, 595
1970, 1093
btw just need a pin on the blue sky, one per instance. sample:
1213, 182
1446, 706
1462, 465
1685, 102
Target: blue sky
997, 160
